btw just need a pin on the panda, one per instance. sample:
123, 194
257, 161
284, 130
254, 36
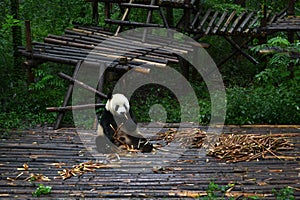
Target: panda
118, 126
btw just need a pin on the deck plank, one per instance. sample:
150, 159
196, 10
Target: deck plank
185, 175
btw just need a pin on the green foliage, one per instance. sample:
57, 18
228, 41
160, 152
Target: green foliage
25, 106
223, 6
286, 193
6, 51
149, 95
276, 71
215, 191
42, 189
263, 105
273, 98
44, 80
52, 17
10, 22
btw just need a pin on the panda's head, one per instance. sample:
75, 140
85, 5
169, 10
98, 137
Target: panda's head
118, 105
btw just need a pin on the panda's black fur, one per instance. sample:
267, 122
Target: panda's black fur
110, 122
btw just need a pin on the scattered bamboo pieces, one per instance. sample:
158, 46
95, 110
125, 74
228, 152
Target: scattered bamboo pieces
167, 136
246, 147
80, 169
32, 177
16, 178
37, 177
233, 147
199, 138
120, 140
165, 170
196, 135
24, 167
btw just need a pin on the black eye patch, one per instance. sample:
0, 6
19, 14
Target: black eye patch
125, 107
117, 107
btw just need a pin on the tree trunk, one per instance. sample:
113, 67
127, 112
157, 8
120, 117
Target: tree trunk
16, 33
241, 2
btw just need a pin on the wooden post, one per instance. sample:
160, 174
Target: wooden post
184, 65
95, 12
123, 18
264, 10
170, 17
187, 14
291, 7
291, 12
16, 30
107, 10
30, 64
16, 35
28, 36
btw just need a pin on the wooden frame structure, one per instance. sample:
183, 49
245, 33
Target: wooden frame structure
199, 23
74, 46
118, 55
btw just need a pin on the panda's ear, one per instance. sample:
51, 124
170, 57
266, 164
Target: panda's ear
109, 95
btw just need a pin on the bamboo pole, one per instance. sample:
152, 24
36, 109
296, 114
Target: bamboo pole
83, 85
77, 107
28, 36
123, 18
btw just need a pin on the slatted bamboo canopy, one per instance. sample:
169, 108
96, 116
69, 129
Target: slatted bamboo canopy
288, 23
78, 42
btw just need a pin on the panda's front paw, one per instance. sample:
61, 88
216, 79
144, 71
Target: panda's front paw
146, 146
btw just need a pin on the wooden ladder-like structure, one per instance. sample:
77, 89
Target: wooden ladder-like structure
125, 21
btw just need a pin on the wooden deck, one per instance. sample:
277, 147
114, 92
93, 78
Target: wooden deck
184, 176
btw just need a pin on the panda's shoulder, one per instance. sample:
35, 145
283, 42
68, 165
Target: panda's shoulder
106, 116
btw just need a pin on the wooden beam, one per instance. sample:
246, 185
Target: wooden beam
219, 22
239, 49
81, 84
135, 5
127, 10
77, 107
28, 36
130, 23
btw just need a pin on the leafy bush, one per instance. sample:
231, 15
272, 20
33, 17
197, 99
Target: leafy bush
263, 105
42, 189
286, 193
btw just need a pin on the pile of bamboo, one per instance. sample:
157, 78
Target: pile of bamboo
247, 147
78, 170
231, 147
185, 137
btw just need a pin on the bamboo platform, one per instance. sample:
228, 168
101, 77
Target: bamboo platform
209, 22
78, 44
48, 152
289, 23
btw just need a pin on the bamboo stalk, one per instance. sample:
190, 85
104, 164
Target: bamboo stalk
219, 22
77, 107
236, 22
231, 16
28, 36
199, 28
83, 85
209, 27
124, 17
